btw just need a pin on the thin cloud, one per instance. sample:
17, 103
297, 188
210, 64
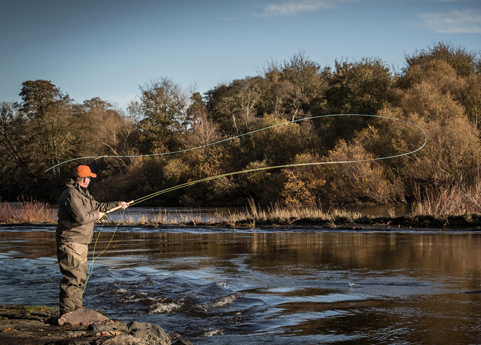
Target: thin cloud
295, 7
454, 22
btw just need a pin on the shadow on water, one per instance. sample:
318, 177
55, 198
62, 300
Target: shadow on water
256, 287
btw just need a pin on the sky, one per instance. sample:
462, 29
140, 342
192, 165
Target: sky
111, 48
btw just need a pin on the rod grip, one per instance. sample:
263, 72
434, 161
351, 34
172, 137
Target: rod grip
119, 207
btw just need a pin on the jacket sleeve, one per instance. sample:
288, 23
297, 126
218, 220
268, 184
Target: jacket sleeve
103, 206
78, 212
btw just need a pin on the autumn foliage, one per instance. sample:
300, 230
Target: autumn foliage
439, 90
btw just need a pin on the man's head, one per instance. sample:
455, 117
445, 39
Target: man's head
82, 175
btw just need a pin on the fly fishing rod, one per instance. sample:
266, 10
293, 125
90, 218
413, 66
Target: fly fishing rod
211, 178
106, 214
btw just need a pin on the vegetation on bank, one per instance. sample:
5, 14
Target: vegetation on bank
30, 212
455, 207
439, 89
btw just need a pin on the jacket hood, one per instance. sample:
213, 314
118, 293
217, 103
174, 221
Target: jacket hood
69, 184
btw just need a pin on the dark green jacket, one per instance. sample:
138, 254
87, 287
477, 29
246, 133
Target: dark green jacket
77, 213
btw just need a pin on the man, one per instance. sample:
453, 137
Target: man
77, 213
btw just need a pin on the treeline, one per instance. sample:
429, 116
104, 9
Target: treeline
439, 89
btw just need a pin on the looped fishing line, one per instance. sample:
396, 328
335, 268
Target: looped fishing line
250, 133
210, 178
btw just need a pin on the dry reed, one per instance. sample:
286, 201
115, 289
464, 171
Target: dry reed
27, 212
455, 200
278, 213
252, 214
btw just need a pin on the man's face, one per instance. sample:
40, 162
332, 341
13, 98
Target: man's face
84, 182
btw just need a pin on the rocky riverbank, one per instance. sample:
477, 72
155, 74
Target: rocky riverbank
36, 325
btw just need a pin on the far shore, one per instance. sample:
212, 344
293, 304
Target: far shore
341, 222
33, 212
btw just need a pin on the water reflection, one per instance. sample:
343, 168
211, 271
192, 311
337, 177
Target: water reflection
255, 286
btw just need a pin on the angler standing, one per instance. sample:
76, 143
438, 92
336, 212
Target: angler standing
77, 213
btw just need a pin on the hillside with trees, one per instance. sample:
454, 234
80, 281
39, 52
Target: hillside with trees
439, 89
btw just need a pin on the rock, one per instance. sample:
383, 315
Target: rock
119, 325
82, 316
67, 342
74, 334
82, 327
153, 334
125, 339
99, 328
182, 342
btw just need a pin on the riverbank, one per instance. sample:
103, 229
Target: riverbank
468, 221
32, 212
342, 221
37, 325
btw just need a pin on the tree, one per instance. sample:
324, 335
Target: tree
306, 77
359, 87
234, 106
163, 107
430, 103
36, 134
11, 134
295, 88
463, 62
435, 72
203, 130
360, 181
468, 93
48, 119
15, 158
102, 130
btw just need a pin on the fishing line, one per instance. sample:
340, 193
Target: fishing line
211, 178
234, 137
90, 268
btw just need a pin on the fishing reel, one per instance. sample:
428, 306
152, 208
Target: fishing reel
104, 217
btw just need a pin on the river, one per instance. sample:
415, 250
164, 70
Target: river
252, 286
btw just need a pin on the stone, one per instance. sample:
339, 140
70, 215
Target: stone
99, 328
153, 334
182, 342
82, 316
119, 325
126, 339
16, 328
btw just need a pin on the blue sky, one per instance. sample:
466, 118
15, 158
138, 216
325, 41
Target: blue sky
108, 48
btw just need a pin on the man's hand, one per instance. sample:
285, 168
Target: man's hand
124, 204
101, 214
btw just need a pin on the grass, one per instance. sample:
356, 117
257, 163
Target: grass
31, 310
252, 215
27, 212
456, 200
280, 214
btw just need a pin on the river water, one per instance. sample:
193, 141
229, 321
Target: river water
252, 286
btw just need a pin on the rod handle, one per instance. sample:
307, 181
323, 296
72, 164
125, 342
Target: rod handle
119, 207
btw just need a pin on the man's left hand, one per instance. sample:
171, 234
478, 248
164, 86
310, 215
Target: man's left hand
124, 204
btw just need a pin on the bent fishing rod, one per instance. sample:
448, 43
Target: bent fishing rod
210, 178
234, 137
